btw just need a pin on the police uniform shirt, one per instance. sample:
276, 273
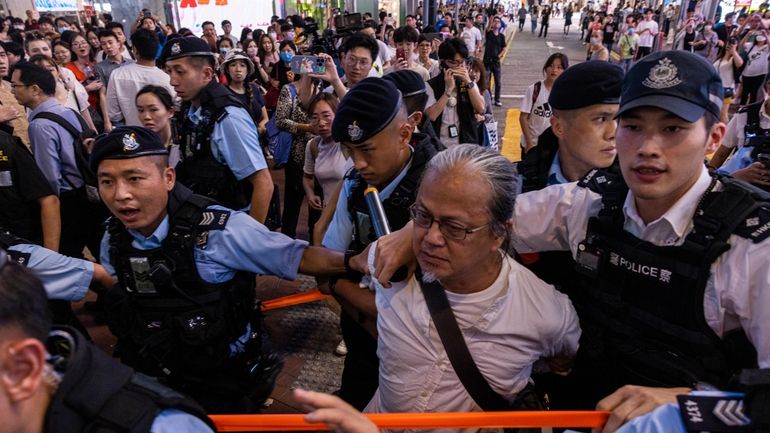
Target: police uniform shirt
64, 278
340, 232
555, 175
21, 185
243, 244
737, 293
53, 147
735, 137
235, 141
175, 421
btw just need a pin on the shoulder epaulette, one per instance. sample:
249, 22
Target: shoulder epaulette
756, 226
600, 180
214, 219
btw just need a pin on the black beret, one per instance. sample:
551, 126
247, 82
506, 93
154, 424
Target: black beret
678, 81
587, 83
185, 47
408, 82
366, 109
126, 142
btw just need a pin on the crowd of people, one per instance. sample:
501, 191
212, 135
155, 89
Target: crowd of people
141, 167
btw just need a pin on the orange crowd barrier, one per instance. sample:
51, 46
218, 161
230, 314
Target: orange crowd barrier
517, 419
291, 300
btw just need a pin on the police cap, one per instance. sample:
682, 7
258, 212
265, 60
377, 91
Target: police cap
585, 84
408, 82
126, 142
185, 47
366, 109
680, 82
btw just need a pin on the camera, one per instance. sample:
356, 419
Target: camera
732, 40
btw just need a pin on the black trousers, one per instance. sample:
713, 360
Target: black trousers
494, 71
293, 196
543, 27
751, 91
360, 377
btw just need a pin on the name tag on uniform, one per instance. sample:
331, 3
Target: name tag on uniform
5, 178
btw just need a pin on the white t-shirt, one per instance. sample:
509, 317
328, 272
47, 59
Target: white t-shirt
328, 165
125, 82
471, 37
726, 72
539, 113
646, 39
756, 64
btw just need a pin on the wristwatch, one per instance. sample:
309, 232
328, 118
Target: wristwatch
471, 84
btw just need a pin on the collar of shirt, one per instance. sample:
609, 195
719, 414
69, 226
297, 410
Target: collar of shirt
555, 175
44, 106
143, 242
194, 114
122, 60
388, 190
670, 228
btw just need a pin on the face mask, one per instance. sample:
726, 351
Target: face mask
290, 36
224, 50
62, 29
286, 56
19, 27
251, 51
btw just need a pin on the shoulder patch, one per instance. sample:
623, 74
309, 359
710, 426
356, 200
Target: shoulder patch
18, 257
214, 219
756, 227
599, 180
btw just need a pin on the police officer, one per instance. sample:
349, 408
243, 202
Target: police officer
221, 155
183, 308
54, 380
415, 93
675, 286
582, 137
372, 124
749, 132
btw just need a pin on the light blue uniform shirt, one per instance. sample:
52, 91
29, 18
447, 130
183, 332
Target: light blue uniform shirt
63, 277
555, 175
741, 159
340, 232
52, 147
175, 421
243, 245
235, 141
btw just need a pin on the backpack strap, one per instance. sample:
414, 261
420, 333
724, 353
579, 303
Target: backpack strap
535, 95
81, 160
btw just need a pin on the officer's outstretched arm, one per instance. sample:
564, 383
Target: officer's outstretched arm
632, 401
393, 252
322, 262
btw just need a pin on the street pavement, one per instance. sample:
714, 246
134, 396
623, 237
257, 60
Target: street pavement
306, 335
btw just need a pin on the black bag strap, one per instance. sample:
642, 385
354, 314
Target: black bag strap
456, 349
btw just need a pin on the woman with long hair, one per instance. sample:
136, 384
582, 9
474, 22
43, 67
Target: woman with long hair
267, 53
535, 112
155, 109
84, 68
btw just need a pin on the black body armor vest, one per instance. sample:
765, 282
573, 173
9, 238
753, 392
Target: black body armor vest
168, 320
641, 305
198, 169
98, 394
397, 204
537, 162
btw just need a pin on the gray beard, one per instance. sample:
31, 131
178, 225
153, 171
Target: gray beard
429, 277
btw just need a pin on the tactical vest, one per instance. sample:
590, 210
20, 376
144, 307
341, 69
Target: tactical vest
397, 204
198, 169
168, 320
641, 305
537, 162
755, 136
7, 240
98, 394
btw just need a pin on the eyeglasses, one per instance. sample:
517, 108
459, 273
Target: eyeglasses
454, 231
352, 61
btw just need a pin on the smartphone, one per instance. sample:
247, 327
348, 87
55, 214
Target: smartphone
431, 36
308, 65
400, 54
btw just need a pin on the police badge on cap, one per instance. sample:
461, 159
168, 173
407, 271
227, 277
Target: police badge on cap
175, 49
129, 142
663, 75
354, 131
365, 110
